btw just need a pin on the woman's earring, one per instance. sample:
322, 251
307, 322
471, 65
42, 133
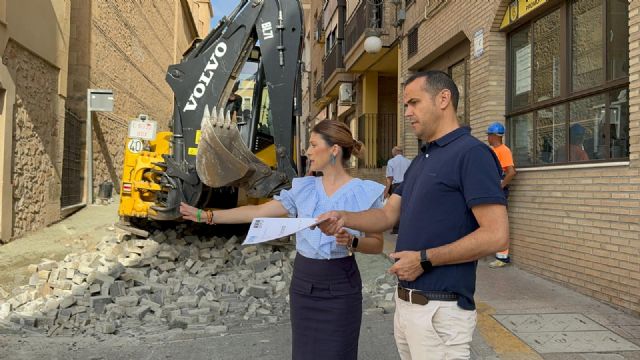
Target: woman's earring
333, 159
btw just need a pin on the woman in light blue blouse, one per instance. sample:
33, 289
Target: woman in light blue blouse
326, 289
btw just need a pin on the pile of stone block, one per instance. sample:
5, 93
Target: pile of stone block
167, 280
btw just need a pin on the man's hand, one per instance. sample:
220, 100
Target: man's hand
407, 266
330, 223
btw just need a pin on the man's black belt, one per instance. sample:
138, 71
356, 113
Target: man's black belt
423, 297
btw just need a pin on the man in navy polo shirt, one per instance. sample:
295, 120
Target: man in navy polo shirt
452, 212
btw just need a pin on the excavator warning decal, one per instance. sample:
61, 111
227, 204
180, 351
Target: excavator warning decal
193, 151
198, 136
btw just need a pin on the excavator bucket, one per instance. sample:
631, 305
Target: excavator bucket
223, 159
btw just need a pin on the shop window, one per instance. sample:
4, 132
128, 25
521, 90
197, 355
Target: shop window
460, 76
551, 136
521, 139
568, 94
587, 64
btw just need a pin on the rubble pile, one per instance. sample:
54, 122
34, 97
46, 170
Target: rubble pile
166, 280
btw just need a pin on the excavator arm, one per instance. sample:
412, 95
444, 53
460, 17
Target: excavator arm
207, 146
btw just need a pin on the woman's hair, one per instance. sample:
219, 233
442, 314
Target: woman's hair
338, 133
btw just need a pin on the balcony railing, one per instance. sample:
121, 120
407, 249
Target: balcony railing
334, 60
365, 16
379, 133
317, 93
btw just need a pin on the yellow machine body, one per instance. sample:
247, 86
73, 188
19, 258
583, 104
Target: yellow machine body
139, 176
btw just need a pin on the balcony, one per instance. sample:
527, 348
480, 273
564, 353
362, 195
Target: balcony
370, 18
366, 16
379, 133
333, 61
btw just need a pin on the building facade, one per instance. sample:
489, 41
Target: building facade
352, 85
564, 77
49, 62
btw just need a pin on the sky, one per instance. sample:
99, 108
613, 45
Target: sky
222, 8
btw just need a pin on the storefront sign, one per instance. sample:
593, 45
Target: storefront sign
518, 9
523, 70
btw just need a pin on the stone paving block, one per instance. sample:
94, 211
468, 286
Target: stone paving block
138, 312
98, 303
63, 316
190, 301
106, 327
46, 265
79, 290
118, 288
258, 291
260, 265
190, 239
276, 256
67, 301
167, 266
140, 290
95, 288
127, 301
196, 266
34, 280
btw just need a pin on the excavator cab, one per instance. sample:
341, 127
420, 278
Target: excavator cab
236, 98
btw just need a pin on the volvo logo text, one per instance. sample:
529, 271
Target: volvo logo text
205, 77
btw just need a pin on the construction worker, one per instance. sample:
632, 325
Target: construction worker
495, 132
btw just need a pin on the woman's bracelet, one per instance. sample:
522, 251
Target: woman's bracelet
210, 217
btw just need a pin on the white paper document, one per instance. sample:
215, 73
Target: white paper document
265, 229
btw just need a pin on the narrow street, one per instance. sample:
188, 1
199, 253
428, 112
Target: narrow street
520, 316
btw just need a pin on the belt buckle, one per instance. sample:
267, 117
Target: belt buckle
411, 297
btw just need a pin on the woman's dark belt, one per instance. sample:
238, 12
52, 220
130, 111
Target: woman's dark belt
423, 297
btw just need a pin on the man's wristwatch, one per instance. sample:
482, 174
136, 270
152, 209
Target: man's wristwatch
424, 261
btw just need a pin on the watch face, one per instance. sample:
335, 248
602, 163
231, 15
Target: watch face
426, 265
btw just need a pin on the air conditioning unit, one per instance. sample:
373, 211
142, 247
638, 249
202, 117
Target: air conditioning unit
346, 93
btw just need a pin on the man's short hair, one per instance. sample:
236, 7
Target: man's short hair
436, 81
397, 149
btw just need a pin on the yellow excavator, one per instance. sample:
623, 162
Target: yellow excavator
236, 100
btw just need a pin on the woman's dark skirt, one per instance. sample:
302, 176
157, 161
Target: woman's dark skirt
326, 308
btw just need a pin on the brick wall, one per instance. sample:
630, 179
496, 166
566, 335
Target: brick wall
125, 46
579, 226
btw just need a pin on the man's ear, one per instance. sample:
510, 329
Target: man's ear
444, 99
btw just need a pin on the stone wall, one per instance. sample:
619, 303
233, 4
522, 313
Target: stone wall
37, 147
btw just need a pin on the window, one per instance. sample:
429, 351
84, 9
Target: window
331, 40
412, 42
458, 73
568, 85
